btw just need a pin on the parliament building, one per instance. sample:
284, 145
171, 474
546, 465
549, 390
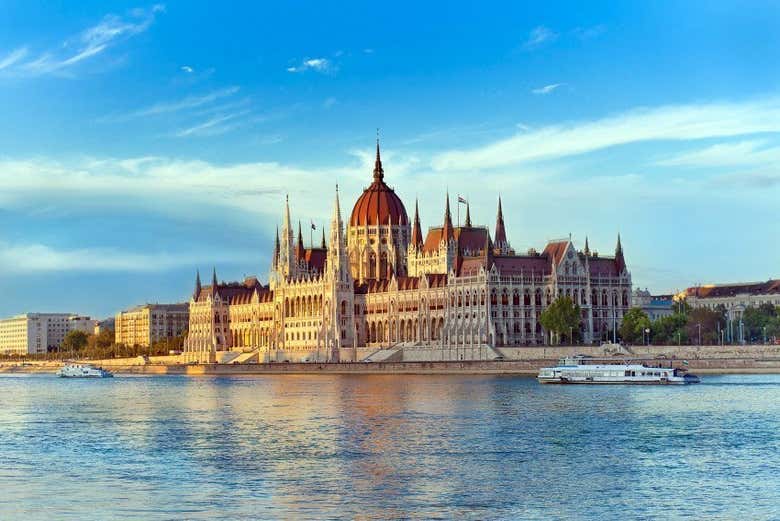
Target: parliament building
381, 284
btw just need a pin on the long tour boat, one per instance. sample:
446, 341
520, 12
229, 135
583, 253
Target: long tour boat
573, 371
83, 371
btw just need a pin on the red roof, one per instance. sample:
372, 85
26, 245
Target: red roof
603, 266
555, 250
378, 204
315, 258
522, 264
770, 287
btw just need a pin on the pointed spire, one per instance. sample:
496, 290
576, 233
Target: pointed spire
322, 245
500, 240
417, 239
379, 173
620, 261
300, 251
198, 288
468, 216
447, 232
214, 284
587, 248
275, 259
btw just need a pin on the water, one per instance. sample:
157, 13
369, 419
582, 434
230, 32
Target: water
385, 447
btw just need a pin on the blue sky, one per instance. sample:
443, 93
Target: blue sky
139, 142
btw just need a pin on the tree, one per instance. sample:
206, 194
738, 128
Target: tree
632, 328
669, 330
704, 323
562, 317
75, 341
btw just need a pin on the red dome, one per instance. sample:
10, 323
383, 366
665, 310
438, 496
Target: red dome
378, 204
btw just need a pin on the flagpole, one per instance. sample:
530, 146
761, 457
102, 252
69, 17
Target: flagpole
458, 205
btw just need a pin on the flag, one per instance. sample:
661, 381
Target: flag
462, 200
313, 227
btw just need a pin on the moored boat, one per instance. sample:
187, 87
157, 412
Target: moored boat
83, 371
574, 371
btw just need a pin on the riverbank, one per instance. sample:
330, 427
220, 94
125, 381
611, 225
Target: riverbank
714, 365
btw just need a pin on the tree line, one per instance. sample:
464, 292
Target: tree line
686, 325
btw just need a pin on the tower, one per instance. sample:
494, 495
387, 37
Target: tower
500, 242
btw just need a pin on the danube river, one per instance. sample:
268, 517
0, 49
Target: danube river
386, 447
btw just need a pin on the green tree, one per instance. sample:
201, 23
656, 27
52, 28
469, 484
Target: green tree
669, 330
756, 319
562, 317
704, 323
632, 328
75, 341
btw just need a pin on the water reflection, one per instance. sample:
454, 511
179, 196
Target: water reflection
378, 447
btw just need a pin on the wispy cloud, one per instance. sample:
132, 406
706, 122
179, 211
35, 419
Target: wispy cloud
91, 42
538, 37
588, 33
314, 64
742, 153
749, 179
13, 57
189, 102
214, 126
36, 258
187, 69
675, 122
547, 89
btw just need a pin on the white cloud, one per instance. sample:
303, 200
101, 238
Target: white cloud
742, 153
546, 89
13, 57
675, 122
190, 102
36, 258
217, 125
187, 69
315, 64
587, 33
89, 43
539, 36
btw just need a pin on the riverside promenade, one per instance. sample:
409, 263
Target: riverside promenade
520, 361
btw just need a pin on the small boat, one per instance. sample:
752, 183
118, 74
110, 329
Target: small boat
573, 371
83, 371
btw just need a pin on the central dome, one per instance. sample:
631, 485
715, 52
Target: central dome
378, 203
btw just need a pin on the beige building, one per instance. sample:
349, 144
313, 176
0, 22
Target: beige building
33, 333
735, 298
380, 284
149, 323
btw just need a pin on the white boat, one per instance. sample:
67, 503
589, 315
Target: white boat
573, 371
83, 371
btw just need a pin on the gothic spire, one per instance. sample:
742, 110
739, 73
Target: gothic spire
587, 248
416, 230
275, 259
620, 261
379, 173
214, 284
322, 245
196, 293
447, 232
300, 251
468, 216
500, 240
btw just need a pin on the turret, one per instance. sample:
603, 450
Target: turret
500, 241
620, 262
196, 293
586, 251
447, 232
214, 284
417, 238
468, 216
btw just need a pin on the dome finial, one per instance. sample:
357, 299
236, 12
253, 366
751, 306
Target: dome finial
379, 173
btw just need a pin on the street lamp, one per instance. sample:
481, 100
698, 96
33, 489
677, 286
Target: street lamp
764, 335
699, 325
647, 330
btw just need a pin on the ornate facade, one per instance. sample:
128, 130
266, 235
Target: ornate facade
380, 283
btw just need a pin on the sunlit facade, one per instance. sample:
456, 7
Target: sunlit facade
381, 283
